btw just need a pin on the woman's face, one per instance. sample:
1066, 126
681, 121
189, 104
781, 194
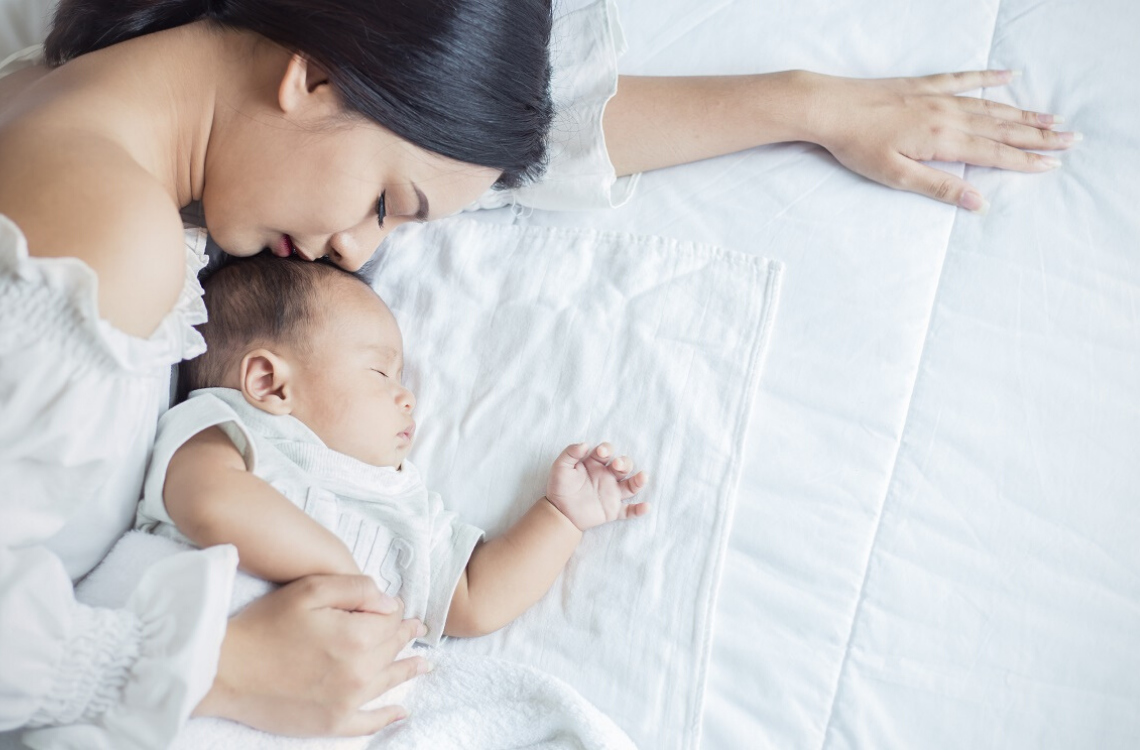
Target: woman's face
296, 175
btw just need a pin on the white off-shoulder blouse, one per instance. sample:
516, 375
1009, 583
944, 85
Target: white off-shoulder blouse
79, 403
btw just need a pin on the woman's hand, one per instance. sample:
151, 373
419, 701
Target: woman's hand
883, 128
302, 660
880, 128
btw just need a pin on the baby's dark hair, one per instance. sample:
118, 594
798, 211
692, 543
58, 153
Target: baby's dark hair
261, 300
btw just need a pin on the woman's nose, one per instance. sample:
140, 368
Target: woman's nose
351, 248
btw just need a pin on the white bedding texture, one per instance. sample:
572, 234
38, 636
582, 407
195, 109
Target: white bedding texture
936, 535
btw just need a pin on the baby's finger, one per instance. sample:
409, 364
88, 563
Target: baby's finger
967, 80
634, 510
602, 453
1017, 135
633, 485
934, 183
1000, 111
621, 465
571, 455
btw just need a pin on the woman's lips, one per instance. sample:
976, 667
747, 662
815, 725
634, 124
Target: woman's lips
284, 247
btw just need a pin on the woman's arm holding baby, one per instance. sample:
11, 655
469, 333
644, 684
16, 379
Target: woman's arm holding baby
508, 574
880, 128
214, 499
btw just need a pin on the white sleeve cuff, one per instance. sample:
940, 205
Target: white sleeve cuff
585, 46
98, 657
131, 677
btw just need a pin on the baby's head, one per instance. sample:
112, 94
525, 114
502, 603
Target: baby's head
311, 341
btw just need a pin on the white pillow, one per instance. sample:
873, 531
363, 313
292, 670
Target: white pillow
23, 23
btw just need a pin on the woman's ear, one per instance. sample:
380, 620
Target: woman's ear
303, 85
267, 382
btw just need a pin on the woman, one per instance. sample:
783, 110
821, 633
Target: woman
315, 129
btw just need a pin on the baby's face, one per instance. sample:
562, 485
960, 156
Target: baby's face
347, 387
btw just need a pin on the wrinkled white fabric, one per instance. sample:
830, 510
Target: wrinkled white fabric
399, 533
78, 404
469, 702
520, 341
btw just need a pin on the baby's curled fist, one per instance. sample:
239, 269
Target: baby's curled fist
590, 489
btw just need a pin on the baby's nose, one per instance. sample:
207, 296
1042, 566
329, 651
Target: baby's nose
408, 400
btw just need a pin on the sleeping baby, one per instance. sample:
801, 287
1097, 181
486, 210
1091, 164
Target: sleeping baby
292, 446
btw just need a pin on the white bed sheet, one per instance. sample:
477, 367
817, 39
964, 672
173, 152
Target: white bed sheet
935, 542
935, 539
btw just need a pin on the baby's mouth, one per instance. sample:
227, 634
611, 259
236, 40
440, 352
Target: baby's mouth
409, 433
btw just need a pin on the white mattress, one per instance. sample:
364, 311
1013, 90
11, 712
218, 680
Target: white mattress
937, 538
940, 548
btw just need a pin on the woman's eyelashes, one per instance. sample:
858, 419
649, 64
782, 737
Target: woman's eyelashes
381, 211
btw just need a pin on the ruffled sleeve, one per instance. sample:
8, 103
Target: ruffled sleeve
118, 679
584, 50
80, 401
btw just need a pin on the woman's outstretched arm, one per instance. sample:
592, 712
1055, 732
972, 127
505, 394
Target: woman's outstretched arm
879, 128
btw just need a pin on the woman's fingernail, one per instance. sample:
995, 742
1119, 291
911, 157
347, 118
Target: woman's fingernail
972, 201
424, 666
1044, 119
1013, 74
1050, 162
1073, 137
421, 631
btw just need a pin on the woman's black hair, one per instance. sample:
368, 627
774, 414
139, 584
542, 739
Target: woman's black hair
466, 79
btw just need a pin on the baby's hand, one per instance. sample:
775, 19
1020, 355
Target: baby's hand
589, 491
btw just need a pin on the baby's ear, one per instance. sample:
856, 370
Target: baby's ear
266, 382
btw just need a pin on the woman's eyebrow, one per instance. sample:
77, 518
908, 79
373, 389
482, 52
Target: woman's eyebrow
422, 211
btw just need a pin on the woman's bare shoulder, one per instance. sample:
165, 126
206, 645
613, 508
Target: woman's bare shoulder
83, 196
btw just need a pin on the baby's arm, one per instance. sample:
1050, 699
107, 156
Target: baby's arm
213, 499
508, 574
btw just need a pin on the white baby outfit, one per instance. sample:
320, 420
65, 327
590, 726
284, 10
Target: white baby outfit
397, 531
79, 405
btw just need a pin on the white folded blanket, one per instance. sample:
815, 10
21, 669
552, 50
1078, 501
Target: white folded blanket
520, 341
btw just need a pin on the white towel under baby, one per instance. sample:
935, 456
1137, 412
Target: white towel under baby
521, 340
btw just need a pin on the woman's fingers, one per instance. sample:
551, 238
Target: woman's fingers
985, 152
1000, 111
394, 674
363, 723
349, 593
1017, 135
934, 183
956, 83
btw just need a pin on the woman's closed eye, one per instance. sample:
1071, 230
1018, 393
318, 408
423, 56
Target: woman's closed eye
381, 212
